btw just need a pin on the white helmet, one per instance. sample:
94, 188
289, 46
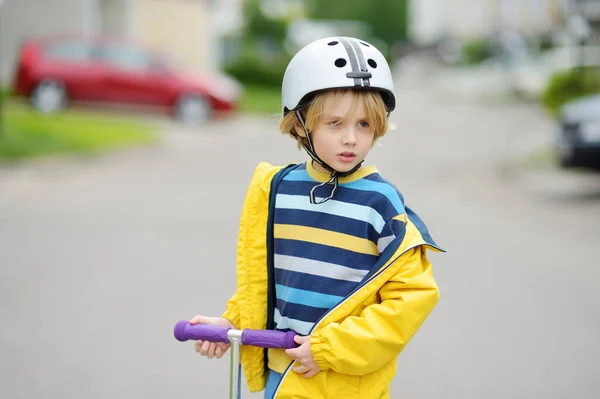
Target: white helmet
336, 62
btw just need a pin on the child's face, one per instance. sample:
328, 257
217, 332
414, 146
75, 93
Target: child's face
342, 139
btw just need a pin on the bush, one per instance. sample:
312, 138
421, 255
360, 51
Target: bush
258, 63
257, 57
566, 86
475, 52
545, 43
251, 70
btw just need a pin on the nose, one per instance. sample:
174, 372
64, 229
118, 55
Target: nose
349, 137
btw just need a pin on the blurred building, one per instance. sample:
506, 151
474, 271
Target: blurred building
432, 20
182, 28
590, 11
303, 31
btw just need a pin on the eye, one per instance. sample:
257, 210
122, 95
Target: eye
335, 123
363, 124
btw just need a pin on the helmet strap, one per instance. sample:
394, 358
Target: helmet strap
334, 174
310, 149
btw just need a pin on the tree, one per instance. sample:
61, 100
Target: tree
260, 57
259, 25
387, 18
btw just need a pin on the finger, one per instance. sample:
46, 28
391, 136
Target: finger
292, 353
299, 339
204, 348
211, 350
300, 369
311, 373
222, 349
198, 320
198, 346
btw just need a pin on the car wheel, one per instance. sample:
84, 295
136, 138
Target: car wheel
49, 96
566, 155
565, 150
193, 110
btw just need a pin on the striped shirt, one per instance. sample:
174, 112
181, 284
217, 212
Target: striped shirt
323, 251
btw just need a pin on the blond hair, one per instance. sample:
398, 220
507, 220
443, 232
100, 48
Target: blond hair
313, 112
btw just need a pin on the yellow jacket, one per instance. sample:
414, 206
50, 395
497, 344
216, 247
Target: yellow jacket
357, 342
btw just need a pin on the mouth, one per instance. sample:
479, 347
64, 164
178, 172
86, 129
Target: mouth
347, 156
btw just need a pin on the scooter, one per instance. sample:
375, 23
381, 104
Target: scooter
261, 338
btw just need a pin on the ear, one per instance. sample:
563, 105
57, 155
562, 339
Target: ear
298, 128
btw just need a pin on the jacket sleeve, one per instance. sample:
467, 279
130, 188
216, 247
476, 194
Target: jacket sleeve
249, 244
362, 344
232, 312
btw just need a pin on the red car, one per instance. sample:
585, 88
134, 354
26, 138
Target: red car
53, 71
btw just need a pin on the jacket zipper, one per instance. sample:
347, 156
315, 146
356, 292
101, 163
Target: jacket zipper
354, 292
365, 283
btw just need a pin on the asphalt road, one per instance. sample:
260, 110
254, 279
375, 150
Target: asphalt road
99, 258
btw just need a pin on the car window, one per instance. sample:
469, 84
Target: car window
69, 51
125, 58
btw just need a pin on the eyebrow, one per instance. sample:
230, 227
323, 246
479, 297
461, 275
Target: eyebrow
337, 117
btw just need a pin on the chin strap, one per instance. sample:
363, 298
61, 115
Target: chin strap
312, 194
333, 174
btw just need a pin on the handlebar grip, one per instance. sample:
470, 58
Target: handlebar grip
269, 339
205, 332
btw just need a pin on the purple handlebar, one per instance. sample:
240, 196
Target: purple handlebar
262, 338
204, 332
269, 339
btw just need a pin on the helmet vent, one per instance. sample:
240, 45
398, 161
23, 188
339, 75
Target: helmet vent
333, 43
372, 63
365, 44
340, 63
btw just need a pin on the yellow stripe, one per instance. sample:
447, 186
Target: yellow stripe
402, 217
324, 237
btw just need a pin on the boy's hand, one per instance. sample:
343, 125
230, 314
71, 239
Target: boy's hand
211, 349
308, 367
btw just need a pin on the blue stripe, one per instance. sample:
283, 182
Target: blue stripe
332, 207
378, 201
305, 313
308, 298
378, 178
299, 174
373, 182
288, 323
324, 253
394, 227
384, 188
326, 221
320, 284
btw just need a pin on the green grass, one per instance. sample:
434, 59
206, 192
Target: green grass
4, 92
261, 99
27, 134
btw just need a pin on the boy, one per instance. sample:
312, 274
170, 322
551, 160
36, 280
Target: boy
327, 248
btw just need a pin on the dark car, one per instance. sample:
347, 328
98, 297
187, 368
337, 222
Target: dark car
51, 72
578, 133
